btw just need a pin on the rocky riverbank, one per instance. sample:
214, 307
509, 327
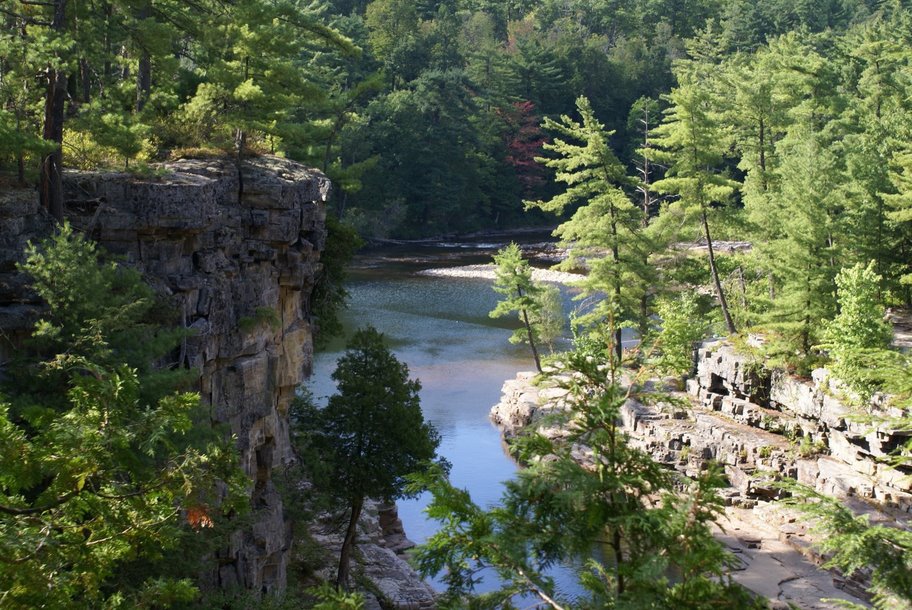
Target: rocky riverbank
754, 421
380, 570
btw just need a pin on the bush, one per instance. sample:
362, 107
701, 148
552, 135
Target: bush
858, 330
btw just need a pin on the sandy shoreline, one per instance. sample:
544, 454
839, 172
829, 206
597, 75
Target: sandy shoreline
487, 272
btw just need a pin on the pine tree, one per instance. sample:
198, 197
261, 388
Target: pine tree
371, 433
606, 220
805, 256
591, 485
513, 279
104, 458
691, 140
900, 213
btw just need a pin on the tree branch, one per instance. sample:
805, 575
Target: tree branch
11, 510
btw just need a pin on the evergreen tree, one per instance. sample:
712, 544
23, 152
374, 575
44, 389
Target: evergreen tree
900, 213
606, 221
859, 327
804, 257
513, 279
371, 433
105, 459
591, 485
691, 140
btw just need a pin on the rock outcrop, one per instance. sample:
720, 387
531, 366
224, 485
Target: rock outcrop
756, 422
394, 584
21, 220
826, 445
239, 273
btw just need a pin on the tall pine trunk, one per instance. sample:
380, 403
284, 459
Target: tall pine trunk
531, 335
616, 257
729, 323
144, 67
50, 185
50, 181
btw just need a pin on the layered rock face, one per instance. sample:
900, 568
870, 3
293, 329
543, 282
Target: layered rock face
756, 422
753, 421
21, 220
239, 273
831, 449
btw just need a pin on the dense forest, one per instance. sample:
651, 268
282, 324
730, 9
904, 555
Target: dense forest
427, 114
651, 131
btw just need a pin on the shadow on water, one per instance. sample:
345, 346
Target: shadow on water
439, 326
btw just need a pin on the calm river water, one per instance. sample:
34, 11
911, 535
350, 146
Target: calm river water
440, 327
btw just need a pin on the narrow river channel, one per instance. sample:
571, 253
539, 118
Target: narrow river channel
440, 327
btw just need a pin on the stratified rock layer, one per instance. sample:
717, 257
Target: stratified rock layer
756, 422
379, 543
239, 272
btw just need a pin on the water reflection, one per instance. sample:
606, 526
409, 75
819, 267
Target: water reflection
440, 328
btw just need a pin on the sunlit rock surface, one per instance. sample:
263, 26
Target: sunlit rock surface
756, 423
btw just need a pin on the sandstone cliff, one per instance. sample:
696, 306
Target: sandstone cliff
239, 272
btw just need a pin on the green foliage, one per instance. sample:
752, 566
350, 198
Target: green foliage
693, 141
102, 312
329, 295
563, 501
858, 328
103, 460
606, 228
853, 544
373, 424
525, 297
900, 204
680, 327
370, 435
262, 315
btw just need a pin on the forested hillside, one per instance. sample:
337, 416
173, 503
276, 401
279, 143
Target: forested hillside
427, 114
738, 167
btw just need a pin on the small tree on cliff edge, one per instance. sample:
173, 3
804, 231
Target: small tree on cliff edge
372, 432
513, 279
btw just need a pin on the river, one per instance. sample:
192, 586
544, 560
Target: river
439, 326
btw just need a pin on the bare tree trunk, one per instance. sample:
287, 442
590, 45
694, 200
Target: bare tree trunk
144, 67
729, 323
240, 139
143, 80
50, 181
531, 336
348, 544
50, 184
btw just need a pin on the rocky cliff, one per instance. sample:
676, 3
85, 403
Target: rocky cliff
239, 272
756, 422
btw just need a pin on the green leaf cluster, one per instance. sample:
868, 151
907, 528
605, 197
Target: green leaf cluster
105, 459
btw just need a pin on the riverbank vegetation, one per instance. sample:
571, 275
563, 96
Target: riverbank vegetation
590, 499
